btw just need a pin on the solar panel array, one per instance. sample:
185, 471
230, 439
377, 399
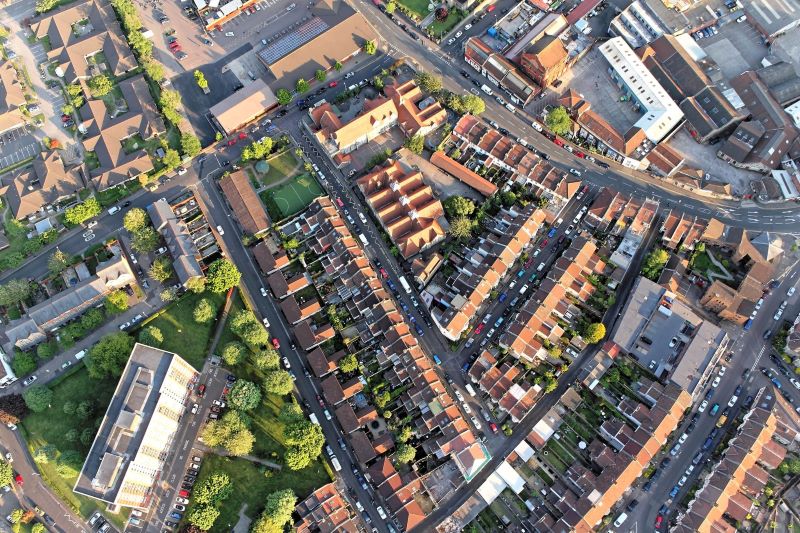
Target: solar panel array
294, 40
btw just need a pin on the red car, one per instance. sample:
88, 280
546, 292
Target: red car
479, 328
201, 390
276, 343
184, 494
319, 400
242, 135
659, 521
65, 118
174, 44
340, 202
543, 243
333, 84
376, 2
176, 49
493, 427
384, 274
18, 479
580, 154
231, 142
491, 8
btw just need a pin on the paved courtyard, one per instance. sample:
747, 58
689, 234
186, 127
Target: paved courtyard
736, 48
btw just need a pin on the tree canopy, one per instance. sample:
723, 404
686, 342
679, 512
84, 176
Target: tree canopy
203, 311
404, 453
284, 96
82, 212
348, 363
370, 47
145, 240
12, 409
151, 335
37, 398
161, 269
100, 85
461, 227
278, 382
428, 82
116, 302
594, 332
222, 275
190, 145
15, 291
415, 144
200, 78
458, 206
244, 395
58, 262
229, 432
277, 512
558, 120
109, 356
214, 489
654, 263
302, 86
233, 353
135, 219
171, 159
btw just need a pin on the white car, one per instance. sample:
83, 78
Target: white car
229, 34
467, 409
161, 250
777, 315
476, 422
791, 291
722, 370
123, 327
467, 27
195, 408
682, 481
575, 172
675, 450
732, 401
715, 383
458, 34
184, 501
459, 396
795, 383
286, 364
9, 457
220, 230
451, 40
703, 406
759, 303
182, 171
381, 512
265, 320
263, 292
29, 381
683, 438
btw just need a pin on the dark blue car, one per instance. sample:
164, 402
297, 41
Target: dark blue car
674, 492
420, 331
176, 516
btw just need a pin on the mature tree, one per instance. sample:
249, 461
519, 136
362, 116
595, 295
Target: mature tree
200, 78
38, 398
82, 212
12, 409
267, 359
170, 102
16, 516
46, 350
404, 453
378, 83
15, 291
348, 363
404, 434
58, 262
190, 145
458, 206
473, 104
92, 319
428, 82
145, 240
203, 516
203, 311
42, 6
277, 512
116, 302
244, 395
222, 275
284, 96
370, 47
415, 143
654, 263
38, 527
334, 318
461, 228
248, 328
382, 399
233, 353
304, 441
87, 436
171, 159
508, 198
23, 363
151, 335
290, 413
214, 489
278, 382
100, 85
141, 44
75, 93
320, 75
168, 294
594, 332
229, 432
196, 285
6, 473
84, 410
390, 7
109, 356
302, 86
161, 269
558, 121
154, 69
72, 435
135, 219
338, 66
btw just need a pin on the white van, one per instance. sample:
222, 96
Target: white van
113, 210
620, 519
313, 418
511, 108
363, 239
485, 88
535, 125
336, 465
470, 390
80, 355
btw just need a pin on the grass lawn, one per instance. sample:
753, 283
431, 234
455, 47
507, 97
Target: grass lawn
182, 335
17, 237
420, 7
702, 263
280, 166
440, 29
109, 197
52, 425
251, 486
295, 195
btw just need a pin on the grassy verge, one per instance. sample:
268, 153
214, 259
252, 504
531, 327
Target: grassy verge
182, 335
52, 426
109, 197
418, 7
440, 28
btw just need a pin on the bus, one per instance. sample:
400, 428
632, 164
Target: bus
405, 285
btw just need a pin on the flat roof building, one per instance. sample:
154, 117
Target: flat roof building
243, 106
137, 432
665, 335
661, 113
